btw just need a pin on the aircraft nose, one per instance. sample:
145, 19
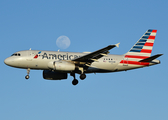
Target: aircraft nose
8, 61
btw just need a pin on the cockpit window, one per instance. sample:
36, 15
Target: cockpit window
16, 54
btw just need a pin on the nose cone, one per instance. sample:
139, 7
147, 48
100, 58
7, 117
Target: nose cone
8, 61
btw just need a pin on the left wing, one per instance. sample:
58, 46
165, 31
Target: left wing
94, 56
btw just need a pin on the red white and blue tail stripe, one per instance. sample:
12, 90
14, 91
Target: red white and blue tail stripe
141, 50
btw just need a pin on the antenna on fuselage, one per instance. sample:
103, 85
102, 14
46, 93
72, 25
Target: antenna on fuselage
30, 49
58, 50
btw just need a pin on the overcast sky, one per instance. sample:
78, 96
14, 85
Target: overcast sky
140, 94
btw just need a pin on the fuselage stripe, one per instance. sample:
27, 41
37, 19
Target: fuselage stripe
135, 56
135, 62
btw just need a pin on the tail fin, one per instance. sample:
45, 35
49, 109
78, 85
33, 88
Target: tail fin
143, 48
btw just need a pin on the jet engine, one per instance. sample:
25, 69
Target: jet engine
61, 66
50, 75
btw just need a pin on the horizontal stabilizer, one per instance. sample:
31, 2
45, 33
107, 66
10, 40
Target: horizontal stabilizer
151, 58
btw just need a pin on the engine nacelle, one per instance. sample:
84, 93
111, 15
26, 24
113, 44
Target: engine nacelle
50, 75
61, 66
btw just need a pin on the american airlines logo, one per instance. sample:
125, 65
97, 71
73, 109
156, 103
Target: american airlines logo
36, 56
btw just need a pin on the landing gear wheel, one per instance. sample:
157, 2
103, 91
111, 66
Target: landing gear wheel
75, 82
27, 77
82, 76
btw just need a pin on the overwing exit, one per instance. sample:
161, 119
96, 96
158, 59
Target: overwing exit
56, 65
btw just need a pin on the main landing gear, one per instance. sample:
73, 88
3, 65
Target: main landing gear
75, 81
28, 72
82, 76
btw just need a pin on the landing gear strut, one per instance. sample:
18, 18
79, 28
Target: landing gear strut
28, 72
75, 81
82, 76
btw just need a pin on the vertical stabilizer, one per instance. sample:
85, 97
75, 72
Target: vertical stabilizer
143, 48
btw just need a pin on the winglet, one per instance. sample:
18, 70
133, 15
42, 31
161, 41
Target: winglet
117, 44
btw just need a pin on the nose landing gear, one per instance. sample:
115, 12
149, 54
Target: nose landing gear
28, 72
27, 77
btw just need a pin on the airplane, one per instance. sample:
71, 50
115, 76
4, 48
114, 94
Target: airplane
56, 64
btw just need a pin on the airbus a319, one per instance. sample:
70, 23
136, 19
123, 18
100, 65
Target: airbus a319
56, 65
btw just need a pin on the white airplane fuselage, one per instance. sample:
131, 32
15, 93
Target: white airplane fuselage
109, 63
